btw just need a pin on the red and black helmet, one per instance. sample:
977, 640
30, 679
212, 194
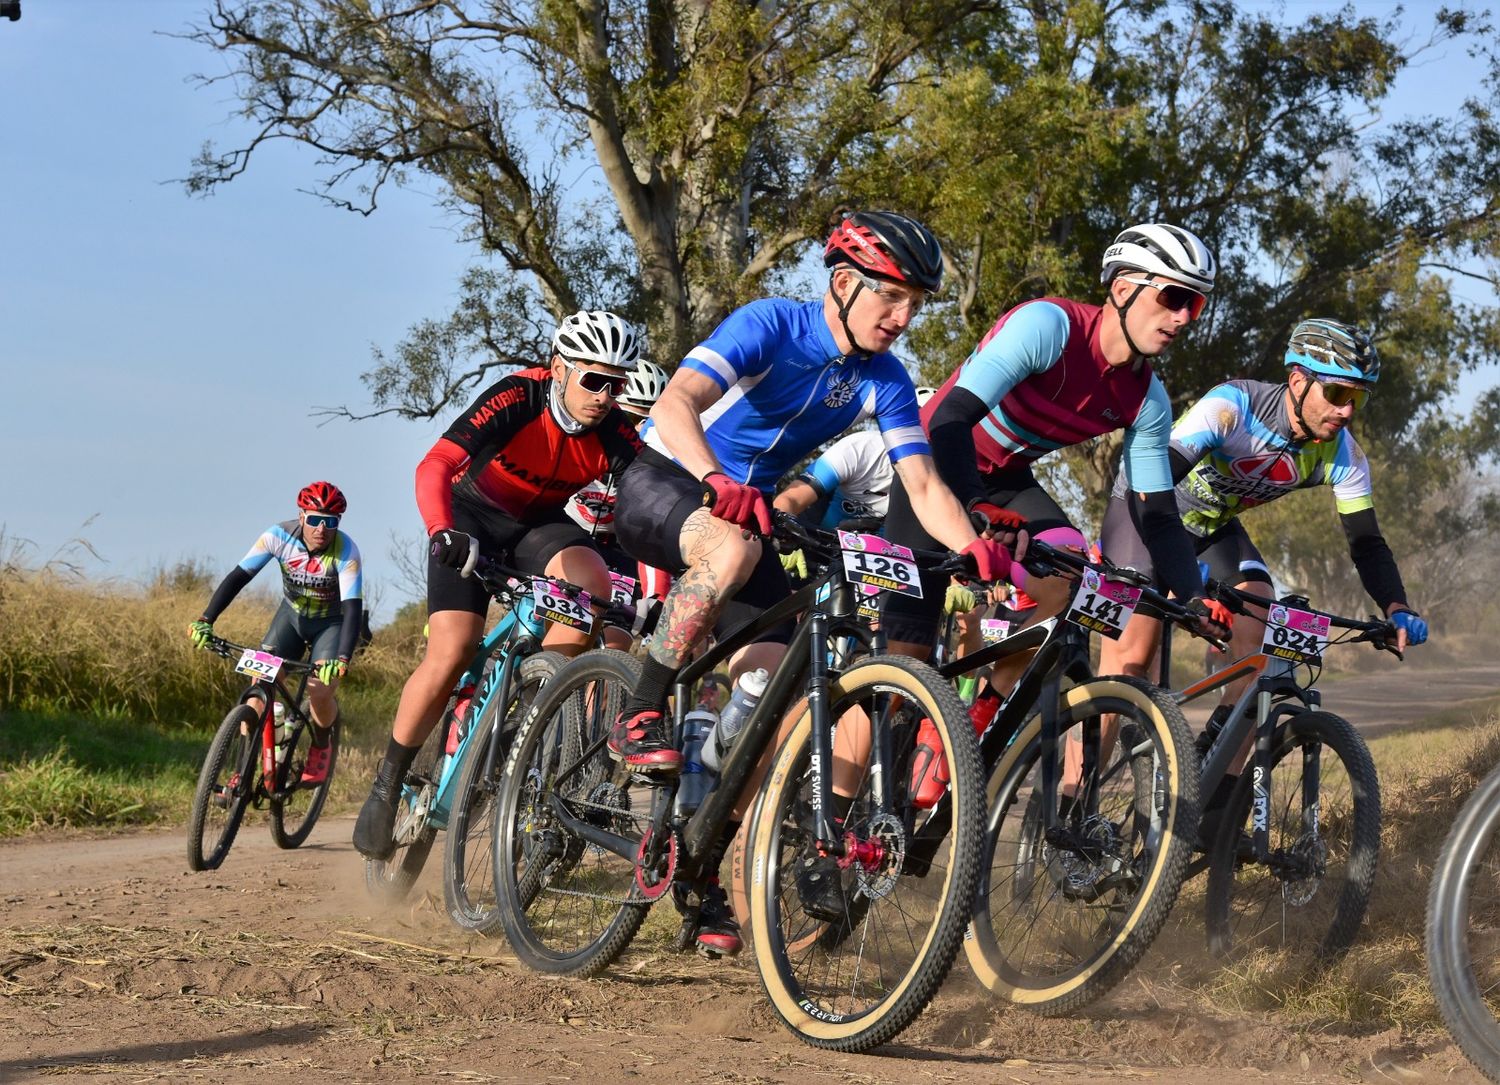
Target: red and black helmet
887, 246
322, 497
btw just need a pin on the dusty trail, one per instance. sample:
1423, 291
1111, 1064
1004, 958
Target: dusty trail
117, 963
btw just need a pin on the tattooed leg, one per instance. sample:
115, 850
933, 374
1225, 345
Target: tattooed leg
719, 560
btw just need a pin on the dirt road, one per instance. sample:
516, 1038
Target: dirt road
117, 963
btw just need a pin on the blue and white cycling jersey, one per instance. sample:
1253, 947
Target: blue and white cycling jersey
852, 480
787, 389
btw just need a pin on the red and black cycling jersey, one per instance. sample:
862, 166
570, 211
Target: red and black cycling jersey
508, 451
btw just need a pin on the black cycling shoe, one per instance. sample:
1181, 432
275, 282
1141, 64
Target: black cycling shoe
820, 887
374, 832
709, 924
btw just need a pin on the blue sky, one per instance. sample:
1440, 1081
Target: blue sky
159, 352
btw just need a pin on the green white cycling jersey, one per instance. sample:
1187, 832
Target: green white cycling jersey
1240, 440
315, 585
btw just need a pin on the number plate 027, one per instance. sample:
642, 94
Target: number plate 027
870, 560
259, 664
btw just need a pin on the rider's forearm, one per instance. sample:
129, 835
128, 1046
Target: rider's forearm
937, 508
352, 611
1373, 559
677, 421
435, 483
952, 437
796, 498
224, 594
1168, 542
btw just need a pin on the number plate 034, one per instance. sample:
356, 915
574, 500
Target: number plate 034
556, 605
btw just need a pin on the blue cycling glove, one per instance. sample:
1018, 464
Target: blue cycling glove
1413, 624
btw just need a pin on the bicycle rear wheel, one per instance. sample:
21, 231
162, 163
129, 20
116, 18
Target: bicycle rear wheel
1310, 897
469, 847
853, 983
570, 907
391, 879
1063, 913
294, 814
225, 785
1463, 928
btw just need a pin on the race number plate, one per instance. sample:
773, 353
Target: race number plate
621, 589
870, 560
994, 630
259, 664
869, 601
1103, 605
1298, 635
557, 606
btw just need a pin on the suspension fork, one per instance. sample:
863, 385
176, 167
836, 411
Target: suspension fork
828, 838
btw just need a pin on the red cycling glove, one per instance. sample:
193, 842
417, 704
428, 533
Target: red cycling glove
991, 560
736, 502
1213, 610
996, 518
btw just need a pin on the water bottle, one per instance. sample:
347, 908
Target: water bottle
283, 730
696, 780
747, 691
459, 723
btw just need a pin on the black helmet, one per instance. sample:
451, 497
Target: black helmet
887, 246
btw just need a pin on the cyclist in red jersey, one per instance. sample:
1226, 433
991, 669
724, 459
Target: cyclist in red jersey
497, 482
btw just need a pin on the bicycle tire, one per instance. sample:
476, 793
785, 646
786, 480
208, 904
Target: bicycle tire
1055, 928
568, 907
905, 915
1317, 917
391, 879
1462, 918
468, 848
226, 783
296, 812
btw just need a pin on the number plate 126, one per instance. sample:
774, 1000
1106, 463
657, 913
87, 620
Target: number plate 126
870, 560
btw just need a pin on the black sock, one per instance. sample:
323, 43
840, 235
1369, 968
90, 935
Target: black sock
651, 691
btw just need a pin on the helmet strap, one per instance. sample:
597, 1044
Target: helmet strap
843, 308
565, 421
1297, 402
1137, 355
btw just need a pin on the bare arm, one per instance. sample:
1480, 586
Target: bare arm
932, 501
796, 498
688, 394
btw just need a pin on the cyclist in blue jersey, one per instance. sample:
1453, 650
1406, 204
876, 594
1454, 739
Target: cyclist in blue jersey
776, 379
1246, 443
322, 606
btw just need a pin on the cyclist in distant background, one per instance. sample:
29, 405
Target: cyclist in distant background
321, 609
498, 482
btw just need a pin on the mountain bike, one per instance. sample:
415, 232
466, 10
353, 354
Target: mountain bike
256, 758
1078, 873
1463, 921
1293, 859
583, 848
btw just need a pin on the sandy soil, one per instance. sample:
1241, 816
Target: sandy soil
117, 963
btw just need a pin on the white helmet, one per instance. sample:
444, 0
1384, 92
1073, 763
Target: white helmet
600, 337
644, 386
924, 393
1160, 249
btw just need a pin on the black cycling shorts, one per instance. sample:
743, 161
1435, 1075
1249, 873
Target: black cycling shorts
290, 634
527, 547
654, 499
915, 621
1229, 554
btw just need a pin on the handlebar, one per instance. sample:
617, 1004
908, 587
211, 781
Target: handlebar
230, 650
1378, 632
825, 544
500, 578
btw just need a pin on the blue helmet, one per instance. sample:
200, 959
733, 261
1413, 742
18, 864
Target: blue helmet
1333, 350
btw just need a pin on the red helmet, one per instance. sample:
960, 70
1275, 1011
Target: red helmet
322, 497
888, 246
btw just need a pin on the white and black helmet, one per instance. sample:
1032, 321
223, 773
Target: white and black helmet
1160, 249
644, 386
600, 337
924, 393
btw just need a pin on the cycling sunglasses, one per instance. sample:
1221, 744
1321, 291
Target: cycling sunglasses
321, 519
1340, 395
1174, 296
594, 382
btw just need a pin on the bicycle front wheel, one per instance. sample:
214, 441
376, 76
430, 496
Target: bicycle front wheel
469, 850
296, 806
1323, 813
905, 884
1463, 929
225, 785
1068, 903
569, 906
